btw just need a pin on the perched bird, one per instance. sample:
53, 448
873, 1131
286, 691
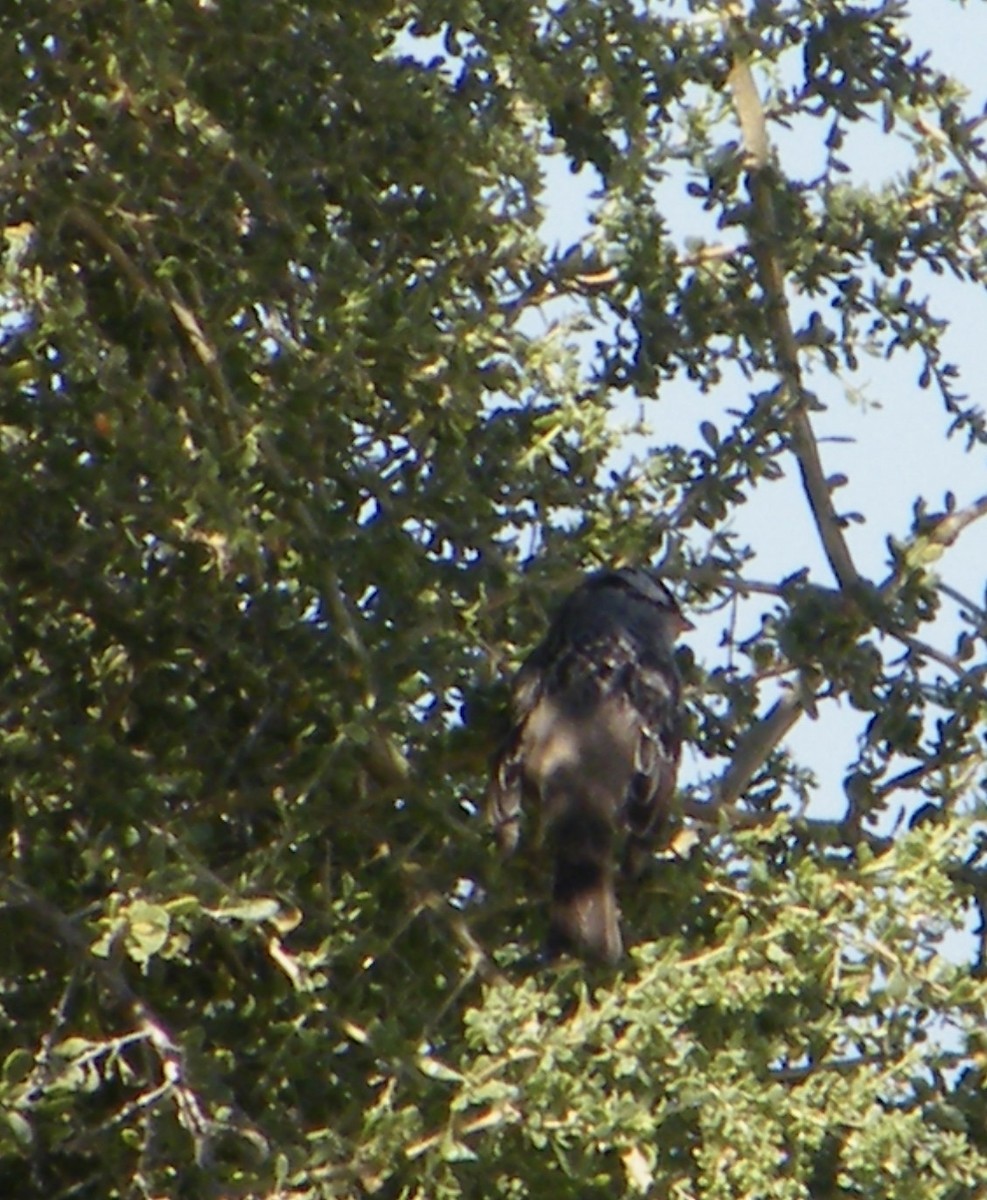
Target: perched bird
594, 745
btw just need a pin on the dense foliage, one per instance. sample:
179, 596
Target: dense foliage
304, 424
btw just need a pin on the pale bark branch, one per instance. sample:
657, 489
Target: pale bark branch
751, 753
753, 126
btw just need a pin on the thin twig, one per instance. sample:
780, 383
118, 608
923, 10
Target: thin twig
943, 139
967, 676
948, 528
150, 1028
972, 606
845, 1066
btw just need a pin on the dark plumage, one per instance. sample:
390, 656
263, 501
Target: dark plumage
595, 745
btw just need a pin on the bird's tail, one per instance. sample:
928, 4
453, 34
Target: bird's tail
584, 917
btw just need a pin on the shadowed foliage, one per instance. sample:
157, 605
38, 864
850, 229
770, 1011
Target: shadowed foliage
304, 428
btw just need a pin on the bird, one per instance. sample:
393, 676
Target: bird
594, 747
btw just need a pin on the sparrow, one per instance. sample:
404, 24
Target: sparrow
594, 747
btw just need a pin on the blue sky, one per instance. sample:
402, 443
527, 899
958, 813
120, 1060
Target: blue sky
892, 448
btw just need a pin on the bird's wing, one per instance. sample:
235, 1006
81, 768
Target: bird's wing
654, 694
505, 789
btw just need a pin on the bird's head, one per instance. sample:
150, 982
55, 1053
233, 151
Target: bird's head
647, 584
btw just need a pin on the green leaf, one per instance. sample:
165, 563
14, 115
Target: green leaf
17, 1066
20, 1127
253, 911
147, 929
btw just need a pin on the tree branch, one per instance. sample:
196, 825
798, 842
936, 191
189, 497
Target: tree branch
149, 1028
945, 1060
949, 527
975, 610
762, 227
932, 536
751, 753
165, 300
943, 139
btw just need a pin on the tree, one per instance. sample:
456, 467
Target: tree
304, 427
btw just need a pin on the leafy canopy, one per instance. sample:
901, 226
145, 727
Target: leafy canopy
305, 423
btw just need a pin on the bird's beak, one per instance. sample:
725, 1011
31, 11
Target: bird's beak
682, 624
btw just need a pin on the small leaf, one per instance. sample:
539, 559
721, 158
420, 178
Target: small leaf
897, 986
287, 919
262, 908
456, 1151
639, 1173
19, 1127
682, 845
438, 1070
73, 1047
946, 1116
148, 926
17, 1066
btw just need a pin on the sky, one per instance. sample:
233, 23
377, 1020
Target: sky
892, 449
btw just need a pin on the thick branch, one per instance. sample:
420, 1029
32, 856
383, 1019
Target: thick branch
750, 115
752, 752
